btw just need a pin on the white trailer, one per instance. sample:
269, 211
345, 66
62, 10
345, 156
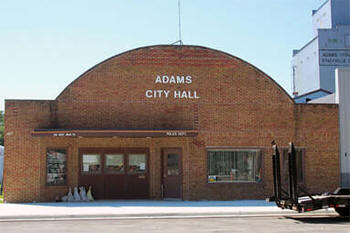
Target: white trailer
342, 96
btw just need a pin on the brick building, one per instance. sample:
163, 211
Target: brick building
183, 122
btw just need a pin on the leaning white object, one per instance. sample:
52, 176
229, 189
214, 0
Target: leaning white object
70, 195
76, 194
89, 195
83, 194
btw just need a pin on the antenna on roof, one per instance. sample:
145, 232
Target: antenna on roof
179, 41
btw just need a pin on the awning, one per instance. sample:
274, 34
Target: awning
112, 133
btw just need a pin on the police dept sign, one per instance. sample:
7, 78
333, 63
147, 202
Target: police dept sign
176, 94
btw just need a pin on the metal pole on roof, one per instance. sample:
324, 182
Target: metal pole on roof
179, 23
179, 14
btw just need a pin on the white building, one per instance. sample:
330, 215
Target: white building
314, 65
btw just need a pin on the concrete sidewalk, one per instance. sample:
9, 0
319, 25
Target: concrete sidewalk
142, 209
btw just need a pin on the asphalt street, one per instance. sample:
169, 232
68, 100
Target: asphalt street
289, 224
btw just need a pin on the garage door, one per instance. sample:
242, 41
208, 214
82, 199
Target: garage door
115, 173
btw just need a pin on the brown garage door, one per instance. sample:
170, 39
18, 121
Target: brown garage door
115, 173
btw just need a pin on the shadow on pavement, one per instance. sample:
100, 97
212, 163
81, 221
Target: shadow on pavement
320, 219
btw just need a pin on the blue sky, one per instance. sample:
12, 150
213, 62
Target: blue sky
46, 44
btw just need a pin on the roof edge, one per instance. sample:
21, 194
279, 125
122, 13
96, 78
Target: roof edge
312, 92
305, 46
167, 45
315, 11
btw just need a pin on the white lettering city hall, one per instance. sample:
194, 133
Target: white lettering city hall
176, 94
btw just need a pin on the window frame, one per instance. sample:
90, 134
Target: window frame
66, 166
259, 154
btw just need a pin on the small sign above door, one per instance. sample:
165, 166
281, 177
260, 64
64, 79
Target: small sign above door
176, 134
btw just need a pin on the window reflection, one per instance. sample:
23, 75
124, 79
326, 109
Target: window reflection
56, 166
173, 165
137, 163
114, 163
91, 163
234, 166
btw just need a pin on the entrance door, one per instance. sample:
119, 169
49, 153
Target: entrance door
172, 173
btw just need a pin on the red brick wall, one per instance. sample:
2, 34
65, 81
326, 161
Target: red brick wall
239, 107
22, 156
317, 131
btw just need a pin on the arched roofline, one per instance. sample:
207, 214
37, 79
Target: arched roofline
189, 46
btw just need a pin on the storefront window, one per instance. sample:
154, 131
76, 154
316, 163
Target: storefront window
91, 163
56, 166
234, 166
114, 163
137, 163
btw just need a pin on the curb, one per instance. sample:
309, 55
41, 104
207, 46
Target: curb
163, 216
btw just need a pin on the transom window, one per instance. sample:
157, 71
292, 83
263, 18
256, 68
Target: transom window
234, 165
